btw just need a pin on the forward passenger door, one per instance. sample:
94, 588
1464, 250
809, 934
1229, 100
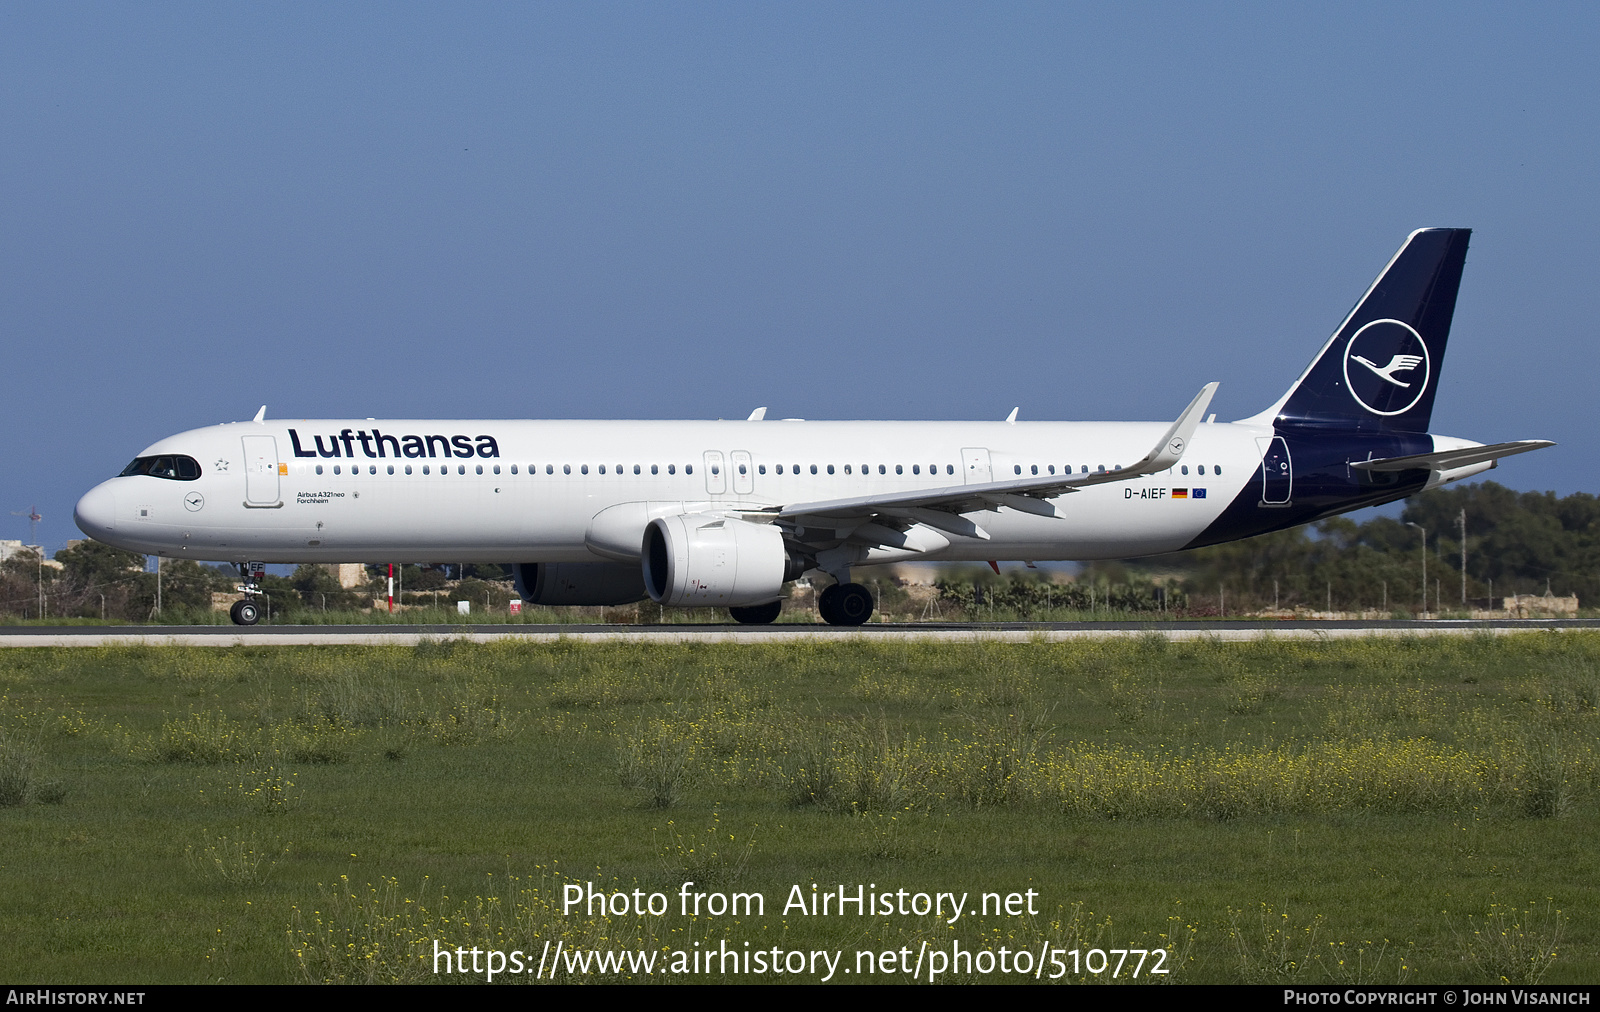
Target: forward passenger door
261, 471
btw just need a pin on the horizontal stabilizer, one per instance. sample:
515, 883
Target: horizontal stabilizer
1447, 459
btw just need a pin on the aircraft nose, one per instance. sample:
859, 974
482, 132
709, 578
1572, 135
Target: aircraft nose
96, 512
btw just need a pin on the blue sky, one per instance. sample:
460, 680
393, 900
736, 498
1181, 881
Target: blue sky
840, 211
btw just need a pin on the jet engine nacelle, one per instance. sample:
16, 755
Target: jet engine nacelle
602, 583
701, 560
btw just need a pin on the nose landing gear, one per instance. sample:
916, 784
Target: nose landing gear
248, 611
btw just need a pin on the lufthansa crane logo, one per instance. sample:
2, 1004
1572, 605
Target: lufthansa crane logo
1386, 367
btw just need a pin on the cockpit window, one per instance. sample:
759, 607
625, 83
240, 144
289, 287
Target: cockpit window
171, 466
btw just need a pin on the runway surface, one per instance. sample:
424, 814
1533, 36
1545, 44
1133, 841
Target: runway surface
410, 635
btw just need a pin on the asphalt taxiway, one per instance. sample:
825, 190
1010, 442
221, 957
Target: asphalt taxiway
410, 635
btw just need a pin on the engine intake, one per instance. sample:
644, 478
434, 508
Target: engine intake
700, 560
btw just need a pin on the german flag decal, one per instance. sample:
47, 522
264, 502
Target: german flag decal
1180, 493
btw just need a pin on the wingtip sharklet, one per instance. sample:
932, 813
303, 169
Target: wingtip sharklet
1177, 437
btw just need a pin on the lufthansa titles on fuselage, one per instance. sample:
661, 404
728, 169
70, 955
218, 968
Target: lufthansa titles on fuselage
375, 444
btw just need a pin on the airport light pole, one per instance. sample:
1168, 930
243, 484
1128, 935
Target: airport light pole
1424, 531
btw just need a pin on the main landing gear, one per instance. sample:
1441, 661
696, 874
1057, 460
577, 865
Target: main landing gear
757, 614
248, 611
845, 604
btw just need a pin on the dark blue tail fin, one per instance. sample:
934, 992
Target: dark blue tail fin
1381, 368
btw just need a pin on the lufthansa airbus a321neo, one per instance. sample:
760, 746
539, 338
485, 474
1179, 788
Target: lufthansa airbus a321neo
724, 513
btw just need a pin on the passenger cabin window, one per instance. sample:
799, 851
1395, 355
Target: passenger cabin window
171, 466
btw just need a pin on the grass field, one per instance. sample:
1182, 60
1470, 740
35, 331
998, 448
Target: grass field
1372, 810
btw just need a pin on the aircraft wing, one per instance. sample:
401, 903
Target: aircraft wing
1445, 459
941, 508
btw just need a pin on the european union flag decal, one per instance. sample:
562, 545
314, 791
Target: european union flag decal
1197, 493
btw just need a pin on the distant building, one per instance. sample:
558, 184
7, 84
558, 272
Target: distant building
9, 548
349, 574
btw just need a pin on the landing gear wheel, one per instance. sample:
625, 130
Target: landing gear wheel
825, 599
245, 612
757, 614
848, 604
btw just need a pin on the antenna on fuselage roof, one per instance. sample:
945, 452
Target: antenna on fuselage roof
759, 414
260, 415
1011, 419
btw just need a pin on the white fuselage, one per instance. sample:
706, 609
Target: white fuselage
530, 490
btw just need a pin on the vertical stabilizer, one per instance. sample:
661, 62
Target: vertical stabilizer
1380, 370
